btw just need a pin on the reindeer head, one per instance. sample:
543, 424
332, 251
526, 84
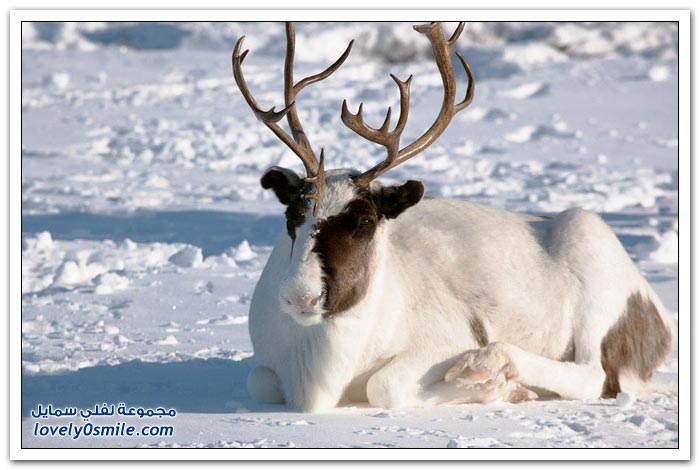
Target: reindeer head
333, 244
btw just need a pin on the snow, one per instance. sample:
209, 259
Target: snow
187, 257
108, 283
145, 227
625, 400
659, 73
667, 251
525, 91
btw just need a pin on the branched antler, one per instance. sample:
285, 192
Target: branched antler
297, 142
382, 136
390, 139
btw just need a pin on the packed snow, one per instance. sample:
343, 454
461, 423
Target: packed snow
144, 226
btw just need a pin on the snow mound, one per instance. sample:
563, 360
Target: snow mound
528, 133
188, 257
667, 250
70, 273
471, 442
243, 252
529, 56
169, 340
41, 241
624, 400
526, 91
58, 80
659, 73
109, 283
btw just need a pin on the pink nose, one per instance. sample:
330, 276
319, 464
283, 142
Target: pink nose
304, 300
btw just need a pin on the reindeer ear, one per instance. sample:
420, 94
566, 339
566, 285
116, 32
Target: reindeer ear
285, 183
391, 201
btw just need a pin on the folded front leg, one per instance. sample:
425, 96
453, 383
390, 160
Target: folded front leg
491, 371
567, 379
264, 386
410, 381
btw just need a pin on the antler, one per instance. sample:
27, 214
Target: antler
390, 139
297, 142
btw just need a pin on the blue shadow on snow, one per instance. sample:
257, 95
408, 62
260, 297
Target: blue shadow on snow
212, 231
193, 386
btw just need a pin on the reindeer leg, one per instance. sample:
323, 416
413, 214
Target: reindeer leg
476, 391
490, 371
415, 380
264, 386
582, 379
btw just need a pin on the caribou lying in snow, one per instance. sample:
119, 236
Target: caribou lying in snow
378, 294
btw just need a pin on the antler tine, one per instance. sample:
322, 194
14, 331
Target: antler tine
453, 39
387, 120
237, 60
303, 83
291, 89
405, 95
289, 95
356, 123
470, 88
269, 117
318, 180
441, 50
297, 141
382, 135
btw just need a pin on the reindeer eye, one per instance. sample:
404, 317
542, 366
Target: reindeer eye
365, 221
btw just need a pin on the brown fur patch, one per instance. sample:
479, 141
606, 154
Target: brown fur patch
344, 241
296, 214
344, 246
391, 201
287, 186
638, 342
285, 183
479, 331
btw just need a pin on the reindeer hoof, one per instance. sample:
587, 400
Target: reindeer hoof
521, 394
467, 374
489, 374
490, 362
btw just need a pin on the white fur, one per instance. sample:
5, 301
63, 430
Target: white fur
549, 290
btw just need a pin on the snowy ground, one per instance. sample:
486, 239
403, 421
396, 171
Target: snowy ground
145, 227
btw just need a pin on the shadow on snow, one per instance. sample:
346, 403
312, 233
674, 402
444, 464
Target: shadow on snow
193, 386
212, 231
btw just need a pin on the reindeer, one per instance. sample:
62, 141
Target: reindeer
378, 294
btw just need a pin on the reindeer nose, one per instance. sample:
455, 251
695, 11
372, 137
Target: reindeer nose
303, 301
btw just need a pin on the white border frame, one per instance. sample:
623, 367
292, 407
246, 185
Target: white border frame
684, 307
